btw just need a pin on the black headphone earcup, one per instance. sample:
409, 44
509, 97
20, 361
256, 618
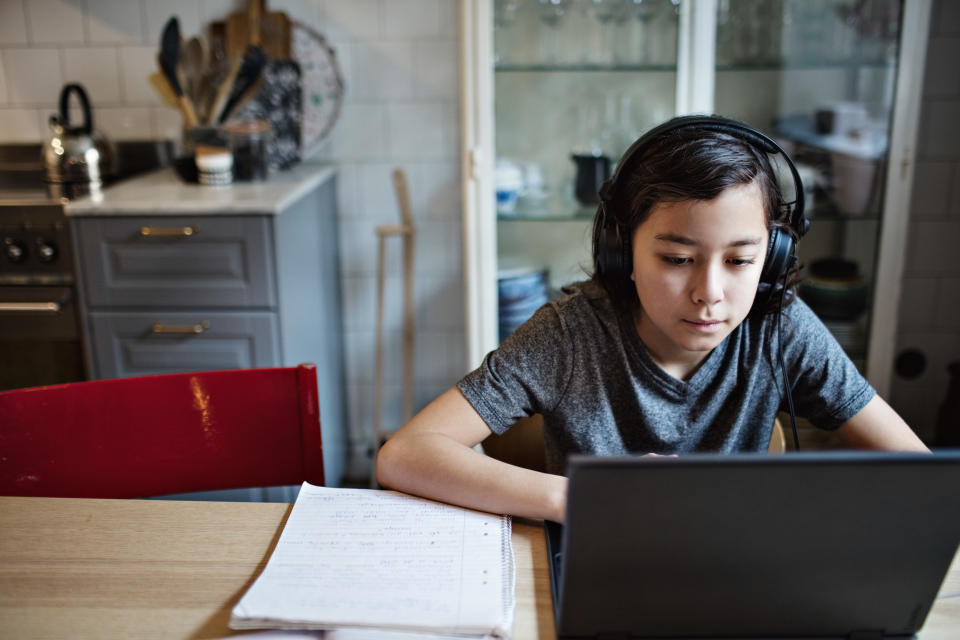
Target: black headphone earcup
780, 256
611, 255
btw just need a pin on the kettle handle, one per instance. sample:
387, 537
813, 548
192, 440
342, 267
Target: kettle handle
87, 126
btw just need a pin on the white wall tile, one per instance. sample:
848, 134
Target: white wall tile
939, 136
33, 75
918, 300
13, 23
97, 69
436, 63
932, 249
375, 194
439, 244
411, 18
159, 12
930, 196
214, 10
136, 65
448, 20
167, 123
361, 133
20, 125
346, 20
306, 11
55, 21
440, 300
347, 198
421, 130
125, 123
115, 22
941, 77
381, 70
3, 81
948, 304
954, 207
358, 247
946, 17
434, 189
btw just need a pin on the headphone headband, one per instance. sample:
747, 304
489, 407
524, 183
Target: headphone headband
798, 223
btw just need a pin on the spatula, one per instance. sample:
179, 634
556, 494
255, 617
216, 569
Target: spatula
169, 59
247, 74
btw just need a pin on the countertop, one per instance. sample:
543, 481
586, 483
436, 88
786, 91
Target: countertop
163, 192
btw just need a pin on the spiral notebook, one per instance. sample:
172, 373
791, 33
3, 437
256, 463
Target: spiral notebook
366, 559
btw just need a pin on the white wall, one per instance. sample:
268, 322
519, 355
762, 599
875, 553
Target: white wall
400, 62
930, 309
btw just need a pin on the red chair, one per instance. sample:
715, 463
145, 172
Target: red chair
156, 435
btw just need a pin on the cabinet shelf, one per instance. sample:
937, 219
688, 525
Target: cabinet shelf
773, 65
812, 65
591, 68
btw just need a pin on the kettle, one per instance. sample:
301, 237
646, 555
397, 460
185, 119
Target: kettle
77, 159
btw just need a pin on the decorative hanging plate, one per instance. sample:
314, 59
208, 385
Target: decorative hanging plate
322, 86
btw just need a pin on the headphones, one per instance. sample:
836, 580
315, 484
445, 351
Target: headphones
612, 256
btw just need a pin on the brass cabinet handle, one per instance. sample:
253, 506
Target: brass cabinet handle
159, 327
169, 232
29, 307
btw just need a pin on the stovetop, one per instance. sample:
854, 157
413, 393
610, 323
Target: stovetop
22, 183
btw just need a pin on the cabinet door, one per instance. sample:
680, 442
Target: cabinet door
135, 344
167, 261
835, 82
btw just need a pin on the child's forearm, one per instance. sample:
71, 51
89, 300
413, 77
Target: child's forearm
434, 466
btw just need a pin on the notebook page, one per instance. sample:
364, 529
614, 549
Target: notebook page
382, 559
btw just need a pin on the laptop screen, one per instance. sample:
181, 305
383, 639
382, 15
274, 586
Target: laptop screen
710, 545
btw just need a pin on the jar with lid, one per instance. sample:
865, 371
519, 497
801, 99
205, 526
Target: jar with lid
250, 143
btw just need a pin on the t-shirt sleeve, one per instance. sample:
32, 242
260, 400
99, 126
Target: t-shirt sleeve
827, 388
527, 374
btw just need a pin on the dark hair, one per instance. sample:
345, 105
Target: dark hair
688, 163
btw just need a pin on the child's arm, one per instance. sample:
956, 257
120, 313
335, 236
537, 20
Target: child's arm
878, 426
432, 456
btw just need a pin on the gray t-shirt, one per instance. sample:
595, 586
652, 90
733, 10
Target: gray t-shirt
580, 363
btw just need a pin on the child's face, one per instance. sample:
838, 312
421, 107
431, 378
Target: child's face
696, 266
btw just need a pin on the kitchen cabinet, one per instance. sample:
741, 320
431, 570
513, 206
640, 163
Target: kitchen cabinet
834, 80
177, 277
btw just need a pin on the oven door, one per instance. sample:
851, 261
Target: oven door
39, 337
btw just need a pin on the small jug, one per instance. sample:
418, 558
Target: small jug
592, 171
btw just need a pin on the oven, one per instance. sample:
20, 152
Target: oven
40, 328
40, 336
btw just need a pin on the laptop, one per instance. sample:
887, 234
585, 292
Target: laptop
831, 544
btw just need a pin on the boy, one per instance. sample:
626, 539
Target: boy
672, 346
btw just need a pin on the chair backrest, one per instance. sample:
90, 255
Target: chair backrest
522, 444
155, 435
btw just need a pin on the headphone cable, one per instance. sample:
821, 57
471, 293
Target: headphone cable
783, 368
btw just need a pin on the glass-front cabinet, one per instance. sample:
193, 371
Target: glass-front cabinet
556, 90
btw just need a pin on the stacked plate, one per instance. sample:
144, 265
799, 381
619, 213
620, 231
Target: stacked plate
521, 291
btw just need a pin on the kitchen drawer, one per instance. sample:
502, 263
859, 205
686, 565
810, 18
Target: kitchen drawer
133, 344
177, 261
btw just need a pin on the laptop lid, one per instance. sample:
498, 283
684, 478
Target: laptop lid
833, 544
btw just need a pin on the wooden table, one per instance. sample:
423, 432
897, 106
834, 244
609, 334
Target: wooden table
148, 568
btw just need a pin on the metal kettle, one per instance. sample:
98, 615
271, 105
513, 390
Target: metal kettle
78, 159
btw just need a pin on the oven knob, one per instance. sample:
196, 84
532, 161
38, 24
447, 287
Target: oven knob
14, 251
46, 251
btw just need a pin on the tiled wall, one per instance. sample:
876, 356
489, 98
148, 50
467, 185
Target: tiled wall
930, 309
400, 62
